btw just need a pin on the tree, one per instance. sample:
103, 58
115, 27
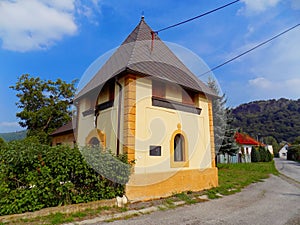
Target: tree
44, 104
296, 141
219, 114
2, 142
229, 145
269, 156
263, 154
270, 140
255, 157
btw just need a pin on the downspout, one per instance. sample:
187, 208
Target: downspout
119, 116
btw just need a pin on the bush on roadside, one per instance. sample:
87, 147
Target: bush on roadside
35, 176
294, 152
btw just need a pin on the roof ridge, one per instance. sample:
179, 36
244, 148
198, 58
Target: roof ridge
134, 45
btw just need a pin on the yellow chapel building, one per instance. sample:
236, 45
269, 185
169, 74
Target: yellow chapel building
146, 103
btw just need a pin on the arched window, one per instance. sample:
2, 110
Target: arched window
179, 148
96, 138
94, 142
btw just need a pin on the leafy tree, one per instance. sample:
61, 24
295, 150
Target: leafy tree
255, 157
219, 114
270, 140
297, 141
44, 104
294, 152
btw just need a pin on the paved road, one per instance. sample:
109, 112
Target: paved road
288, 168
275, 201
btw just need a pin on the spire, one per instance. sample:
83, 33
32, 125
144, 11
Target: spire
143, 17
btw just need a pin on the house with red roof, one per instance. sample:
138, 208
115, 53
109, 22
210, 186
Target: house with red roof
246, 143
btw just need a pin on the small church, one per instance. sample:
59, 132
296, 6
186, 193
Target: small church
144, 102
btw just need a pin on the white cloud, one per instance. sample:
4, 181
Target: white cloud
67, 5
271, 71
9, 127
277, 68
263, 87
33, 24
261, 82
258, 6
90, 10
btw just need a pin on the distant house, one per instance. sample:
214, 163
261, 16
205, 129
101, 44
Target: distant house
246, 143
270, 148
144, 102
64, 135
283, 151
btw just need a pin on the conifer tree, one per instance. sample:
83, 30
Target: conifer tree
255, 157
263, 154
219, 114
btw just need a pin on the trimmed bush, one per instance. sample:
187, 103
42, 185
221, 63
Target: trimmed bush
269, 156
263, 154
255, 157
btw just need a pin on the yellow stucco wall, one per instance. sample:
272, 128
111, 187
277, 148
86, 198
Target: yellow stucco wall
155, 126
85, 123
154, 176
106, 121
139, 189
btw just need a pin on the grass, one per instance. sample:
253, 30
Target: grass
232, 178
60, 218
186, 197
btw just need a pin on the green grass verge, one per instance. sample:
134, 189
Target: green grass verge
234, 177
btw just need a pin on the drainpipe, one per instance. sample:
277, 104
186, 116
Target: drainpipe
119, 116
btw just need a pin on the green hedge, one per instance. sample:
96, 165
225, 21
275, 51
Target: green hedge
35, 176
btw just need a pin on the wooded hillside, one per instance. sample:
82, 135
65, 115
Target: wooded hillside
277, 118
19, 135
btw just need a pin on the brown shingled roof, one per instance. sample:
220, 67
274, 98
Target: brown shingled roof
67, 128
137, 56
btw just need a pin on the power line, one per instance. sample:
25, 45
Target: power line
255, 47
196, 17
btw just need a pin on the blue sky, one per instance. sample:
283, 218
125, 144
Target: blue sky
60, 39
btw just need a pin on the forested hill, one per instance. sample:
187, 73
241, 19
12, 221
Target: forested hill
13, 135
277, 118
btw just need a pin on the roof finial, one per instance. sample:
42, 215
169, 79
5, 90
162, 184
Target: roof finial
142, 18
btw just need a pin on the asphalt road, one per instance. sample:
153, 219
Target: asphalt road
288, 168
275, 201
